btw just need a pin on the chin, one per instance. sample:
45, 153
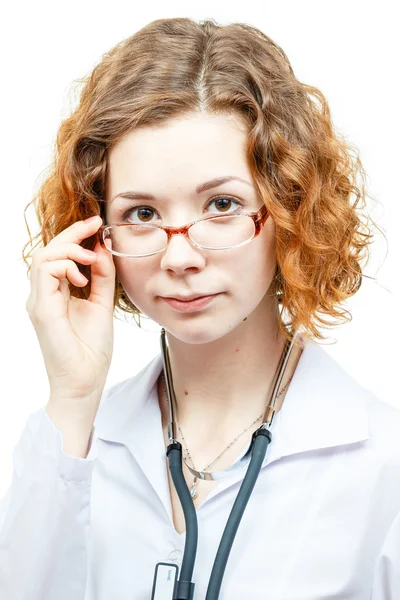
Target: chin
200, 331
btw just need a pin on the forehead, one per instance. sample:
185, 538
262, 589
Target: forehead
186, 150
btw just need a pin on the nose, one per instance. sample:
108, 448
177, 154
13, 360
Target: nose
180, 255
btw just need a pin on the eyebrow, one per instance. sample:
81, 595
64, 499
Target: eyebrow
202, 187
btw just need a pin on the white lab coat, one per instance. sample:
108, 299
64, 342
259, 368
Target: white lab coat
323, 520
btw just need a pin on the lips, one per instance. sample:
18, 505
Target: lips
193, 305
187, 298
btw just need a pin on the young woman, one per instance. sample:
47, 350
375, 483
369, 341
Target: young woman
199, 183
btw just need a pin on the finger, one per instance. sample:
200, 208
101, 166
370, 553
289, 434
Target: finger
48, 281
78, 231
64, 245
59, 252
64, 288
102, 283
74, 234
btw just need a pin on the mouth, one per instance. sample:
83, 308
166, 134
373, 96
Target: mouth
193, 304
187, 298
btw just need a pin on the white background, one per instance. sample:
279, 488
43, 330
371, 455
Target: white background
349, 50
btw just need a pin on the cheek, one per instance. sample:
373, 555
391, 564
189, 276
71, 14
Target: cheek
257, 263
134, 275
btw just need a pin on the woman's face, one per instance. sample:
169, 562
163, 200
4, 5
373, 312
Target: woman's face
169, 162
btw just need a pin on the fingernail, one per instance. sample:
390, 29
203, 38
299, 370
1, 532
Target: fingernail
90, 219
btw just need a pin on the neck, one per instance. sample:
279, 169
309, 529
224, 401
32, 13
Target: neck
224, 385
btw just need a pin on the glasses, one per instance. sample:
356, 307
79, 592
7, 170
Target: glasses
219, 232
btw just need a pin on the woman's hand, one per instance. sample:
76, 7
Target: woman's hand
75, 335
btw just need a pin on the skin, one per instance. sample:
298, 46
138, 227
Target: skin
224, 356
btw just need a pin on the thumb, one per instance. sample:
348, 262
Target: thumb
103, 278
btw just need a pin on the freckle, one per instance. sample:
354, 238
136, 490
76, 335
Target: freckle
186, 392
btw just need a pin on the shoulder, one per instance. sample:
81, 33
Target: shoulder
347, 413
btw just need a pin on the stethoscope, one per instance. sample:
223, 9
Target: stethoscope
166, 585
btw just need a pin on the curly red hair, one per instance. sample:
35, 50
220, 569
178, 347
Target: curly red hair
311, 180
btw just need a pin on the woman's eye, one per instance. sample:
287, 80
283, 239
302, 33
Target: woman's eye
224, 203
145, 213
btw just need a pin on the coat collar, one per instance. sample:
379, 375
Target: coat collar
324, 407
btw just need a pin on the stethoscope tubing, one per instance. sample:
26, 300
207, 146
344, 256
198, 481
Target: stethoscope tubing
261, 442
185, 587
